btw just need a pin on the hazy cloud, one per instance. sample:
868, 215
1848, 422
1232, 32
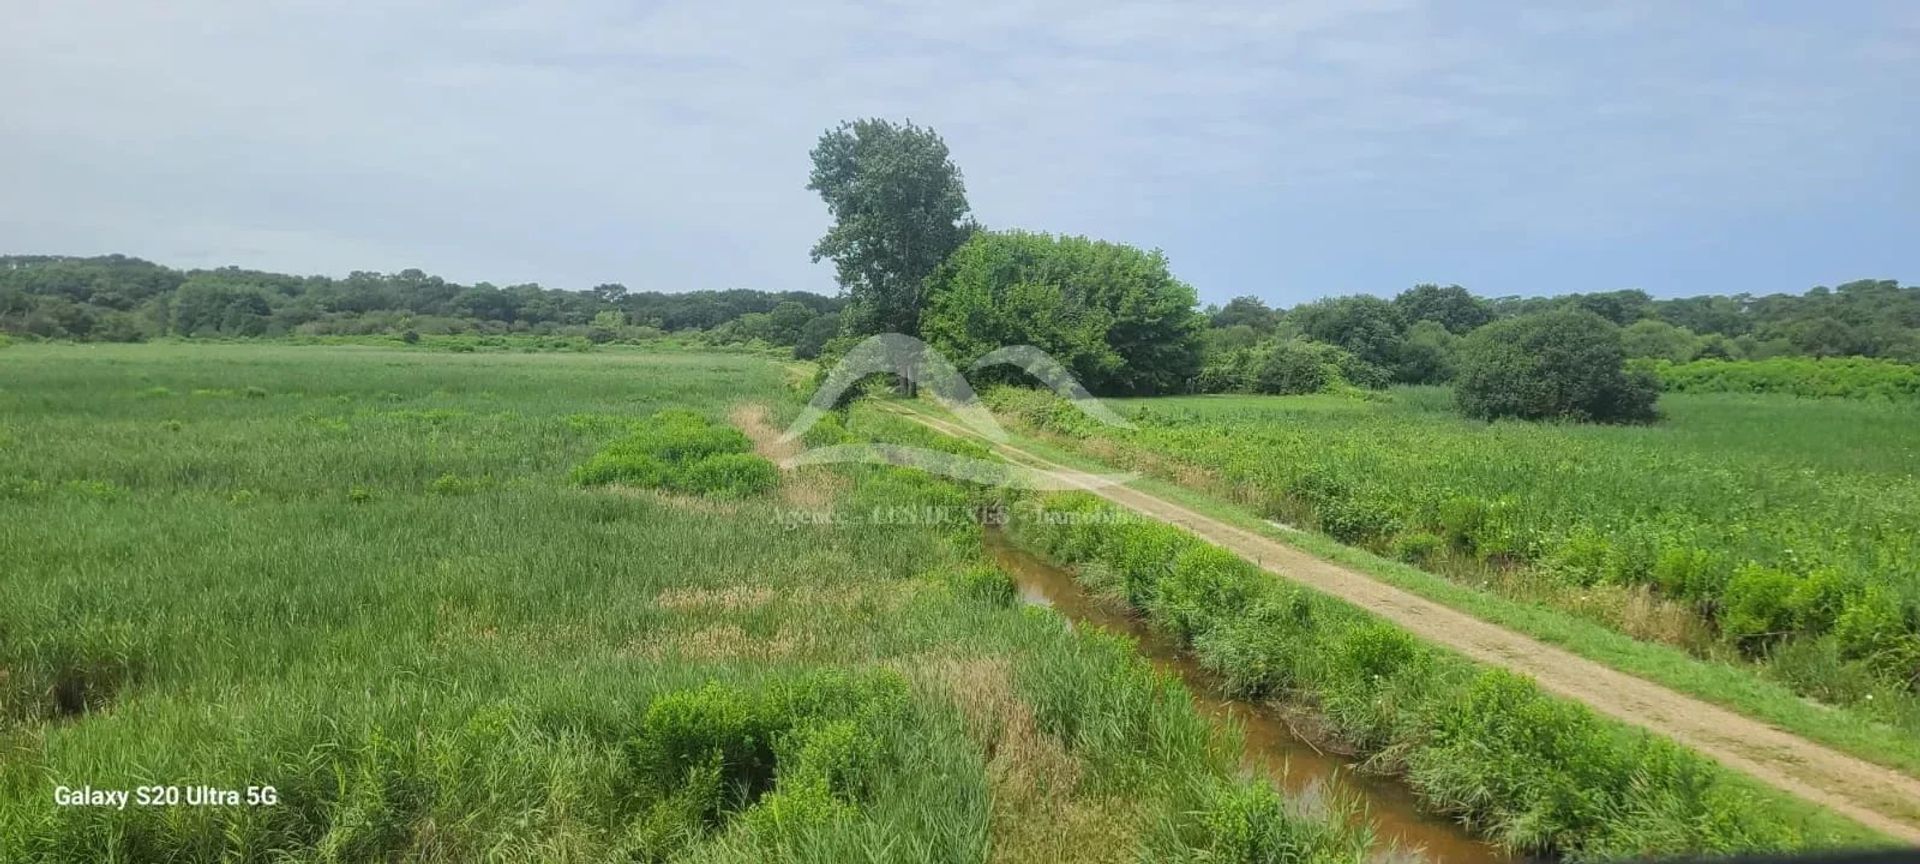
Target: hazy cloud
1286, 149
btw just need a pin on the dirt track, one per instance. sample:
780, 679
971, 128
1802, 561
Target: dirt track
1877, 797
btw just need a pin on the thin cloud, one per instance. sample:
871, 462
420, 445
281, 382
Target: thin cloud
1274, 148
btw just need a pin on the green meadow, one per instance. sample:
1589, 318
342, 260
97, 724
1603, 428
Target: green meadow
410, 604
1772, 535
369, 578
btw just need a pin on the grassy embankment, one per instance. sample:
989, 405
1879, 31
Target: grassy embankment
1530, 771
1754, 551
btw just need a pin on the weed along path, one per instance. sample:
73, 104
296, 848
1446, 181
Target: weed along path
1879, 798
1272, 749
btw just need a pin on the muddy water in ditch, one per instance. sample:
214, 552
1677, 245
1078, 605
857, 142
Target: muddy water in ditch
1272, 749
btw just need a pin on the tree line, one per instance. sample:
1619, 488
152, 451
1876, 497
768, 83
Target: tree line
116, 298
913, 260
910, 258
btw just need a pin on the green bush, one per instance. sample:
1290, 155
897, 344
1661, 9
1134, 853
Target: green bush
728, 475
1288, 367
789, 755
715, 731
1373, 682
1246, 821
1831, 377
1357, 520
1111, 314
1757, 607
1204, 585
1696, 574
1463, 519
986, 584
627, 469
1873, 627
680, 436
1418, 547
829, 430
1296, 366
683, 452
1566, 365
1820, 598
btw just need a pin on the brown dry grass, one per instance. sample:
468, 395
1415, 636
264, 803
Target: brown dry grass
1036, 814
741, 598
811, 486
689, 503
1642, 613
721, 642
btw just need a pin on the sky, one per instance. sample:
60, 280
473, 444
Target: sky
1288, 150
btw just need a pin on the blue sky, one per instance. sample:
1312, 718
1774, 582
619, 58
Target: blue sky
1286, 150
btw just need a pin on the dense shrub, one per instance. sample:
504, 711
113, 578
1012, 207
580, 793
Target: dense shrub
1288, 367
680, 451
1757, 606
1871, 626
625, 469
1832, 377
796, 752
985, 584
1246, 821
1111, 314
727, 475
1427, 355
1567, 364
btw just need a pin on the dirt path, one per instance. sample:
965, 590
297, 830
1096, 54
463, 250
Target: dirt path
811, 488
1877, 797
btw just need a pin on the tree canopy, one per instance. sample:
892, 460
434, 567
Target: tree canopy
1564, 364
1452, 307
899, 209
117, 298
1112, 314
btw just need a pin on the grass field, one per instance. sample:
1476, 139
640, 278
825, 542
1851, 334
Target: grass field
514, 606
369, 579
1747, 530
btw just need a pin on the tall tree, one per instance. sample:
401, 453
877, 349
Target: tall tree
1451, 307
899, 208
1247, 310
1363, 324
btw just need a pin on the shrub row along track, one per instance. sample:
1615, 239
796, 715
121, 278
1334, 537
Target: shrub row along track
1877, 797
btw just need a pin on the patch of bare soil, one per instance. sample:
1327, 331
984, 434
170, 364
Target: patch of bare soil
812, 486
1873, 795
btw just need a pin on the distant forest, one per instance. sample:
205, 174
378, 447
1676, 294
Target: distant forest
115, 298
119, 298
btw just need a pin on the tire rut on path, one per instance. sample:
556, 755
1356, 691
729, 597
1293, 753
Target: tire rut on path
1877, 797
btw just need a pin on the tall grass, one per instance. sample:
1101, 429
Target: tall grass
375, 587
1534, 773
1741, 527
